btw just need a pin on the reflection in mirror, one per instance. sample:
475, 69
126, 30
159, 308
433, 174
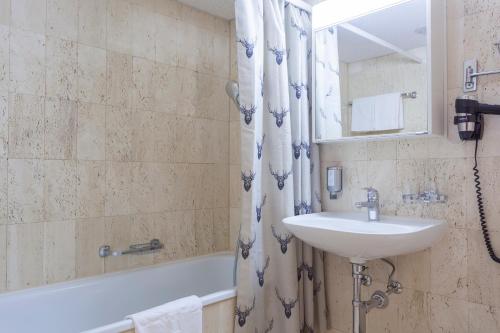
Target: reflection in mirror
371, 74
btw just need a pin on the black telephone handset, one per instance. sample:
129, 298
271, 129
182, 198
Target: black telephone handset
470, 122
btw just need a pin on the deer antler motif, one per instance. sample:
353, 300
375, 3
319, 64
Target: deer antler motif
297, 147
278, 53
260, 273
279, 116
248, 112
247, 180
316, 288
298, 87
246, 246
243, 312
248, 45
288, 304
284, 241
280, 178
309, 269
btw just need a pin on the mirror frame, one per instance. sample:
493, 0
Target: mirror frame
436, 77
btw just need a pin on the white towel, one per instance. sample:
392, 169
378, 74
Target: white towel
180, 316
378, 113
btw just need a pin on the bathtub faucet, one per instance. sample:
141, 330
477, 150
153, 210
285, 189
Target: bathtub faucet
153, 245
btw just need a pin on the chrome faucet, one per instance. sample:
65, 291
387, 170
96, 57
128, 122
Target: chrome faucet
372, 204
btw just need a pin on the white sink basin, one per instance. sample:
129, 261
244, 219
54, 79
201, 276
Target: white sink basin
351, 235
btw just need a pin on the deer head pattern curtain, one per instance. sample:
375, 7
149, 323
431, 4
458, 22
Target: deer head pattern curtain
280, 279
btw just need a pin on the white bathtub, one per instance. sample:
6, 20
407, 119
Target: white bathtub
99, 304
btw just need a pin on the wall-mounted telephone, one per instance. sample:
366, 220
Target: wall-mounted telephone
470, 122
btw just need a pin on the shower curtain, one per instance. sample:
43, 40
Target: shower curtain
280, 279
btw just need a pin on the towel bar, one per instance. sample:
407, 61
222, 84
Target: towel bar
153, 245
411, 94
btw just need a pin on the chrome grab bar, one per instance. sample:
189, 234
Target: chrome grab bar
153, 245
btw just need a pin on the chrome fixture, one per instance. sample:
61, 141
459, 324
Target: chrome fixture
410, 94
471, 74
372, 204
153, 245
379, 299
426, 197
233, 91
334, 181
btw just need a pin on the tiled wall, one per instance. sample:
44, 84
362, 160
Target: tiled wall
454, 286
114, 129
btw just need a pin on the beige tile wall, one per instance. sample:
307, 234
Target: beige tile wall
114, 129
454, 286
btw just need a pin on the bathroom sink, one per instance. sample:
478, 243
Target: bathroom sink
351, 235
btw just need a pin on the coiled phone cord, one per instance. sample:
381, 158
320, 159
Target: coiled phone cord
480, 206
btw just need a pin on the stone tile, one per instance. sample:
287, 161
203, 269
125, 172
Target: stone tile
349, 151
61, 68
221, 229
143, 90
120, 134
154, 138
3, 191
412, 149
381, 150
185, 231
166, 187
483, 318
119, 26
143, 32
62, 19
91, 74
4, 57
27, 62
60, 190
449, 265
339, 299
482, 273
3, 258
59, 251
383, 321
92, 22
91, 137
145, 188
143, 229
185, 186
89, 235
167, 40
26, 126
167, 88
234, 143
60, 128
413, 311
24, 255
219, 175
26, 180
5, 12
166, 232
447, 176
410, 179
4, 126
186, 103
118, 235
170, 8
389, 196
235, 186
29, 15
119, 179
234, 226
448, 315
91, 188
119, 79
414, 270
221, 55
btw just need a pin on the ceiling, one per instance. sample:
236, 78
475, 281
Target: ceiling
220, 8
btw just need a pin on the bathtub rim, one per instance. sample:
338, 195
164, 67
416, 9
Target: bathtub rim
70, 284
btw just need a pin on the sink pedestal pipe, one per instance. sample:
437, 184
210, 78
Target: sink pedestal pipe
379, 299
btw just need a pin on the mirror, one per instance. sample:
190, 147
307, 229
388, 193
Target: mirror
371, 74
